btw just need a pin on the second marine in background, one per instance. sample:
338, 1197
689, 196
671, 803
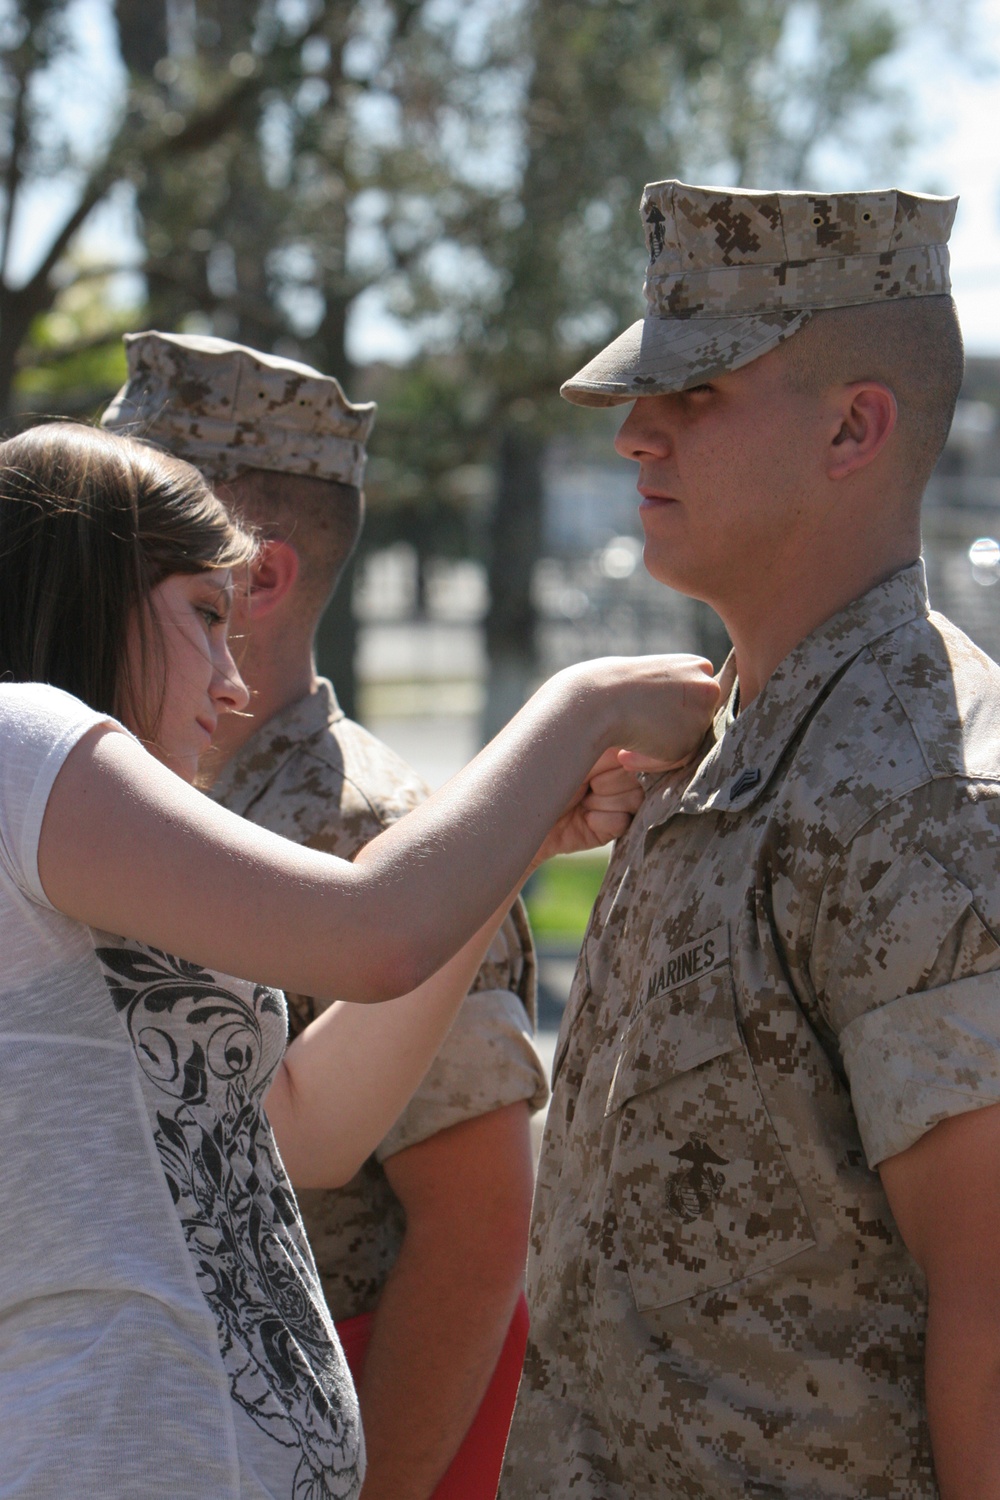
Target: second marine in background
430, 1236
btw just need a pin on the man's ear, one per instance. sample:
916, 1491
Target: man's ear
868, 415
272, 577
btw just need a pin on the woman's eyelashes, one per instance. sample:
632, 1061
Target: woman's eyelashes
215, 613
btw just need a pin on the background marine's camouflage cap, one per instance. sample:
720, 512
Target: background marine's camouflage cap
226, 408
732, 273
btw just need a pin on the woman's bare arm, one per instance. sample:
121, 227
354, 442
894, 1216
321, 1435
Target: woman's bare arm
345, 1081
128, 847
346, 1078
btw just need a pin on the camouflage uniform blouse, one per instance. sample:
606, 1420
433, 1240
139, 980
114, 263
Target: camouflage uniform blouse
791, 974
316, 777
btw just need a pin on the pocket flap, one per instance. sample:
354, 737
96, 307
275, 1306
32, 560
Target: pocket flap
674, 1032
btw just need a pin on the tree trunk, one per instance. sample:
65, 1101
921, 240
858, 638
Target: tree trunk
336, 642
515, 546
11, 334
18, 309
142, 34
337, 637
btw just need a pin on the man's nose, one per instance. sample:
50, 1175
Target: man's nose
645, 431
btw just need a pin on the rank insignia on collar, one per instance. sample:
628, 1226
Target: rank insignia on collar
744, 781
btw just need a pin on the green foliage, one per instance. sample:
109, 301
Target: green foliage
80, 380
427, 482
561, 894
74, 359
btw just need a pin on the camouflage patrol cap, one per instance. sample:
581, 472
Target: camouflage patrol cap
226, 408
732, 273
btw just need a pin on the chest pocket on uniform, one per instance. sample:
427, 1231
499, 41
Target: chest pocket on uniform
701, 1193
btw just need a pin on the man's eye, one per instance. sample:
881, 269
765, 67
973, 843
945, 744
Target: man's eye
695, 390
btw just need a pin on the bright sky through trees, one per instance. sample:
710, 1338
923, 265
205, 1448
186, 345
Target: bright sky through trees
955, 113
953, 108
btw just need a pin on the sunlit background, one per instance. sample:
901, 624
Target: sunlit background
436, 200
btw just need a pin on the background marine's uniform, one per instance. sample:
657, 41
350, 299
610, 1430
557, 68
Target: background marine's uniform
792, 973
316, 777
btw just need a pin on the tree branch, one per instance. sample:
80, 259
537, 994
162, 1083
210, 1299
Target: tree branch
37, 359
13, 174
125, 154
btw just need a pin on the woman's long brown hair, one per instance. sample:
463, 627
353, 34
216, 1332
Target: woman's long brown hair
90, 523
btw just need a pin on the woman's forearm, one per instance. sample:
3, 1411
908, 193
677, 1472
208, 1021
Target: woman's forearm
128, 847
346, 1079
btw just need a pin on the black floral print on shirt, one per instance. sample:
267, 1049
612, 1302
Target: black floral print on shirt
208, 1056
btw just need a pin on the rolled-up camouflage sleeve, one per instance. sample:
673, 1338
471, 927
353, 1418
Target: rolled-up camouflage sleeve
488, 1059
906, 962
487, 1062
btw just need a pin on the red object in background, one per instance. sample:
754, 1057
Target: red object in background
474, 1472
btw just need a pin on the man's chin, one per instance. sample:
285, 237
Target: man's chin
668, 568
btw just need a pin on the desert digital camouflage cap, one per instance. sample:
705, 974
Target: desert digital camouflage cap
226, 408
733, 273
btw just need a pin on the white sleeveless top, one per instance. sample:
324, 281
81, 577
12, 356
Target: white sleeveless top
162, 1327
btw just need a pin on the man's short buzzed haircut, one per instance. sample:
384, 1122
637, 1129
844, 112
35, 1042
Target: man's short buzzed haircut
913, 345
321, 518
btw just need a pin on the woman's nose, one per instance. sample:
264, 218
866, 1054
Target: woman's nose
228, 688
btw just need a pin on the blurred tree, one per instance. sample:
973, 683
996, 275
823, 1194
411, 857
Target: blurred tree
473, 166
282, 158
40, 147
622, 92
332, 179
422, 487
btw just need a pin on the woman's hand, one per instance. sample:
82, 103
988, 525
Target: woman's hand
601, 810
672, 700
655, 708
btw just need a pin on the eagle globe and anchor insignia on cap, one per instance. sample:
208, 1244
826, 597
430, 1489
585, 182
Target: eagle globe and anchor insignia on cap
733, 272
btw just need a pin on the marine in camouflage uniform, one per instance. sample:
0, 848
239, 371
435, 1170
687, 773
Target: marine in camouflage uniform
308, 773
789, 977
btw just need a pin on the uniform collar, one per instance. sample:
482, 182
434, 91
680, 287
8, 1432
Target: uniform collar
744, 751
245, 776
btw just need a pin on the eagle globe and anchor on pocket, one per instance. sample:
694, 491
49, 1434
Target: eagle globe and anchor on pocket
701, 1191
691, 1191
